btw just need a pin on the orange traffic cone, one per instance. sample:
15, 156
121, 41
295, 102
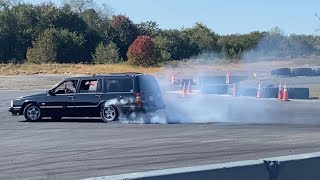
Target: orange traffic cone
189, 87
280, 92
184, 90
228, 78
259, 93
234, 93
173, 79
285, 93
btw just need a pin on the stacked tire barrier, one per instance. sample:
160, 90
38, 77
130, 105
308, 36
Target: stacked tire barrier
187, 81
316, 72
281, 72
203, 80
247, 91
294, 167
214, 89
302, 72
296, 72
218, 84
272, 92
224, 84
298, 93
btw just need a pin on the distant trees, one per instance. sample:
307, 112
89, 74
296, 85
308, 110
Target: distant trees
54, 45
79, 31
201, 36
124, 33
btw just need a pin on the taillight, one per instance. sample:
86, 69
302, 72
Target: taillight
138, 99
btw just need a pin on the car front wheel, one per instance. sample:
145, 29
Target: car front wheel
32, 113
109, 113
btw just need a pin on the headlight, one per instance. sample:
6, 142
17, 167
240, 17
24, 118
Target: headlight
11, 103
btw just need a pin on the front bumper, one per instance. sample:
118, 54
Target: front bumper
14, 110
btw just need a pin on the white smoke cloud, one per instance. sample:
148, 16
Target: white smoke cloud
135, 117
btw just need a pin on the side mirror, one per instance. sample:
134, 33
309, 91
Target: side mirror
51, 93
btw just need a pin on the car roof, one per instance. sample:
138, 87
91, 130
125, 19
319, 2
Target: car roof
128, 74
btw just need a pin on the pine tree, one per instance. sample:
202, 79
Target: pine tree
106, 54
44, 48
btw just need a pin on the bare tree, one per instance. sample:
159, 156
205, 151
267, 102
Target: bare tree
5, 4
318, 17
80, 5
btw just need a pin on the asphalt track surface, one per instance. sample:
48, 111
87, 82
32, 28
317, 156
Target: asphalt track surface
75, 148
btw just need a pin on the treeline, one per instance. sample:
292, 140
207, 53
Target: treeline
76, 33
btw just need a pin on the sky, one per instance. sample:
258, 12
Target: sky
221, 16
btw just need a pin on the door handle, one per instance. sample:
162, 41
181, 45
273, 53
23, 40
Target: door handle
98, 95
71, 97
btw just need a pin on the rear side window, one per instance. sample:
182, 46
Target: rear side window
119, 85
91, 86
149, 84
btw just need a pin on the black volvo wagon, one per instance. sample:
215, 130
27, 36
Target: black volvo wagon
106, 96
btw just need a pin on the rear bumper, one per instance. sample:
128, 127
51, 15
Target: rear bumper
143, 109
14, 110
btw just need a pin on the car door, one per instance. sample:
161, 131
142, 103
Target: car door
88, 97
61, 101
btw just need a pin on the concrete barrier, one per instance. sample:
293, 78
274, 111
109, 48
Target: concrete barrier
293, 167
248, 170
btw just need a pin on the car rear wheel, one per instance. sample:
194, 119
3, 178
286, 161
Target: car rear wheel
32, 112
109, 114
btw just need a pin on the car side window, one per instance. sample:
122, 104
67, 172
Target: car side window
67, 87
119, 85
91, 86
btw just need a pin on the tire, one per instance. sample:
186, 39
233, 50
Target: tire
270, 92
316, 72
298, 93
302, 72
212, 80
214, 89
56, 118
281, 72
32, 113
109, 114
244, 91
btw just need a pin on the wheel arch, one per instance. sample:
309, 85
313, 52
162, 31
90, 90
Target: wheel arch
25, 103
102, 104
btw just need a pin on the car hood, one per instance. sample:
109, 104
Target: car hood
41, 95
